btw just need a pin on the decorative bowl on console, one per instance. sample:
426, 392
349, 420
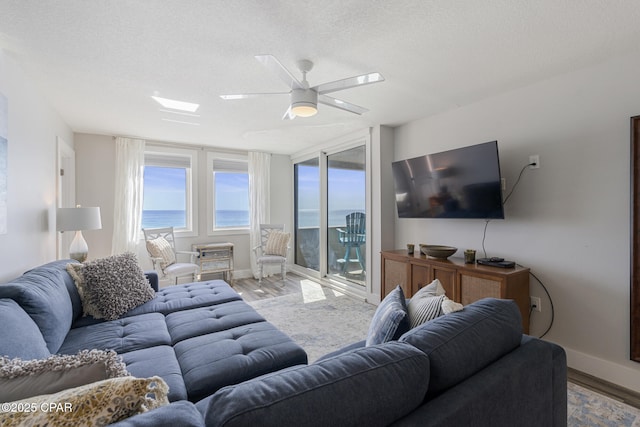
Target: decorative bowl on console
438, 251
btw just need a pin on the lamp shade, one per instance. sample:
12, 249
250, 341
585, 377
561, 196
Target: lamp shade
75, 219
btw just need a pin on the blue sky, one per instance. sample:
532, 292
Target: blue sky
164, 188
346, 188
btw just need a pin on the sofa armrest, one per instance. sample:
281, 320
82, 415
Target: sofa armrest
152, 277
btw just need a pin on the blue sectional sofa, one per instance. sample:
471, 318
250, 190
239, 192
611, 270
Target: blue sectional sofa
226, 366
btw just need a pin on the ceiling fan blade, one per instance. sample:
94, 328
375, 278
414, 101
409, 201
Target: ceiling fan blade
277, 68
250, 95
288, 115
349, 82
343, 105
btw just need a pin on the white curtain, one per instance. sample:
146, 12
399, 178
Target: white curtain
259, 173
127, 212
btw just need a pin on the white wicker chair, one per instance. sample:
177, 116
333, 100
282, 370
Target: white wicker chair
262, 254
160, 243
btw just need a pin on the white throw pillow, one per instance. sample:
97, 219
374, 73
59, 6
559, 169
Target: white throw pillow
160, 248
449, 306
277, 243
426, 304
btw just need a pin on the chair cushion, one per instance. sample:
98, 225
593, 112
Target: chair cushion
43, 293
271, 259
277, 243
347, 390
122, 335
214, 360
19, 334
114, 285
390, 320
161, 248
160, 361
462, 343
180, 269
199, 321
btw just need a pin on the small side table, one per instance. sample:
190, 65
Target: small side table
215, 258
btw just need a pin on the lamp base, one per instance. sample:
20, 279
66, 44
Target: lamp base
79, 248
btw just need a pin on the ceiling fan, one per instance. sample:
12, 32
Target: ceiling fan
305, 99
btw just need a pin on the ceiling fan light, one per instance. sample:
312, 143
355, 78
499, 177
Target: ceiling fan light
304, 109
304, 102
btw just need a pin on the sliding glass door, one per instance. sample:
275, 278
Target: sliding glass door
330, 215
346, 205
307, 213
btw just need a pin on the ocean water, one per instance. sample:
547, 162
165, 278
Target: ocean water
310, 218
168, 218
306, 218
156, 219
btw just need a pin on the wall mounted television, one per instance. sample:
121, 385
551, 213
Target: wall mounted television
460, 183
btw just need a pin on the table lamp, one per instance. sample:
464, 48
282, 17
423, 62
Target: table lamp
78, 219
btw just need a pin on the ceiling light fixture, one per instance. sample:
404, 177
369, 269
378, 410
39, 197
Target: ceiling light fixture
304, 102
181, 122
176, 105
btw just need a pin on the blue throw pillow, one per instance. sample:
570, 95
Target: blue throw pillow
390, 320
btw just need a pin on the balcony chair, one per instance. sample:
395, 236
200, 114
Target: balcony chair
160, 243
273, 248
352, 237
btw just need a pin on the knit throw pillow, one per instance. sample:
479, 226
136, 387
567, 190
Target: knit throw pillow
113, 285
277, 243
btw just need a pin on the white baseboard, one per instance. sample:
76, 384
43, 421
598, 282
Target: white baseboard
621, 375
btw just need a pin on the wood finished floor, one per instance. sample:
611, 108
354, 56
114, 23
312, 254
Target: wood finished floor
274, 286
271, 287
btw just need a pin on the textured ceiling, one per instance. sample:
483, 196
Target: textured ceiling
98, 62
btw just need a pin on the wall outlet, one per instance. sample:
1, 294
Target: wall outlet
535, 158
503, 181
535, 303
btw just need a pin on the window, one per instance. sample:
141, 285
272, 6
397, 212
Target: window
168, 188
229, 192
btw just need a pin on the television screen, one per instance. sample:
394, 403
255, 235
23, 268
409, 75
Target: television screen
460, 183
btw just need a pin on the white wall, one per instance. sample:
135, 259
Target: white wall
33, 129
95, 172
569, 220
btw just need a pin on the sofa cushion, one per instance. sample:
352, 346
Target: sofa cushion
186, 296
122, 335
98, 403
22, 379
214, 360
390, 320
462, 343
19, 334
205, 320
371, 386
114, 285
58, 268
181, 413
43, 293
160, 361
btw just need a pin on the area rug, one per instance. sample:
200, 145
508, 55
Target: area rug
321, 320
